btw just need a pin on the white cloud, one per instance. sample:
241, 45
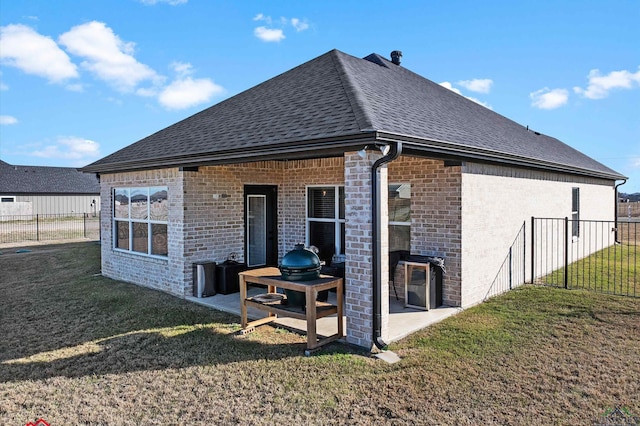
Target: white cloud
7, 119
3, 86
600, 85
182, 69
480, 85
262, 17
33, 53
171, 2
107, 56
449, 86
269, 34
70, 148
186, 91
549, 98
299, 25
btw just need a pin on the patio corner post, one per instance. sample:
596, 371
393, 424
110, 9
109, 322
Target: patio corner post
360, 242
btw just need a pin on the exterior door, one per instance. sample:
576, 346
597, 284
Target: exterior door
261, 225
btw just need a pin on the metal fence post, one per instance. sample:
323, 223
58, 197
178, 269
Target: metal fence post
566, 252
533, 247
510, 270
37, 227
84, 225
524, 251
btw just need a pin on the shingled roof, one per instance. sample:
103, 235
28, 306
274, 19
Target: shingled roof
336, 102
46, 180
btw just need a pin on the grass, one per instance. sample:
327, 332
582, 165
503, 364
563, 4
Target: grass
611, 270
77, 348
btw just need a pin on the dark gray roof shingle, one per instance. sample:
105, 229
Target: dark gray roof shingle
46, 180
338, 95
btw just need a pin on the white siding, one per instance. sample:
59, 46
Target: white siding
61, 204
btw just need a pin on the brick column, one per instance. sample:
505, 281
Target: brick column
359, 245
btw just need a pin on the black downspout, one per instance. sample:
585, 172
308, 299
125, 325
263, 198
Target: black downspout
616, 210
396, 150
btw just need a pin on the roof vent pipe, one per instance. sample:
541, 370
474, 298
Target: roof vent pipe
395, 57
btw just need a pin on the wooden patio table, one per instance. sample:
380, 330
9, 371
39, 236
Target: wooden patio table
272, 279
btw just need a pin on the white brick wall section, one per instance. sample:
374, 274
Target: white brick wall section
495, 203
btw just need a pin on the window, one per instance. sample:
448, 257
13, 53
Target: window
326, 223
399, 217
575, 212
140, 217
325, 220
7, 199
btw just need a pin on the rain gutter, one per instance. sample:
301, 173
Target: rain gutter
616, 209
376, 258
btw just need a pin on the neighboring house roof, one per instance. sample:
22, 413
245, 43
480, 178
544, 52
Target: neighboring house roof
46, 180
335, 102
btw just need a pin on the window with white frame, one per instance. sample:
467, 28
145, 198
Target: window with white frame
399, 217
140, 218
325, 220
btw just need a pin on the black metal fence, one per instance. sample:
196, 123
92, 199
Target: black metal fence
512, 272
48, 227
593, 255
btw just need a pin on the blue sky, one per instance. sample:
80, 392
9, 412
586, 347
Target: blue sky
82, 79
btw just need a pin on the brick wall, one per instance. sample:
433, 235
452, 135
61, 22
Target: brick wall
359, 242
435, 217
204, 228
298, 175
214, 227
163, 274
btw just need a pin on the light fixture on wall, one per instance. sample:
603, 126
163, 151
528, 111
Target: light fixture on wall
363, 152
384, 149
220, 196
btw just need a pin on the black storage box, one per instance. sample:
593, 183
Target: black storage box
204, 279
227, 281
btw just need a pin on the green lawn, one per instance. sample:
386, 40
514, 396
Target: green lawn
78, 348
611, 270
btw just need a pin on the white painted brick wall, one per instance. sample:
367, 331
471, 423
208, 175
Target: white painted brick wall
495, 203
